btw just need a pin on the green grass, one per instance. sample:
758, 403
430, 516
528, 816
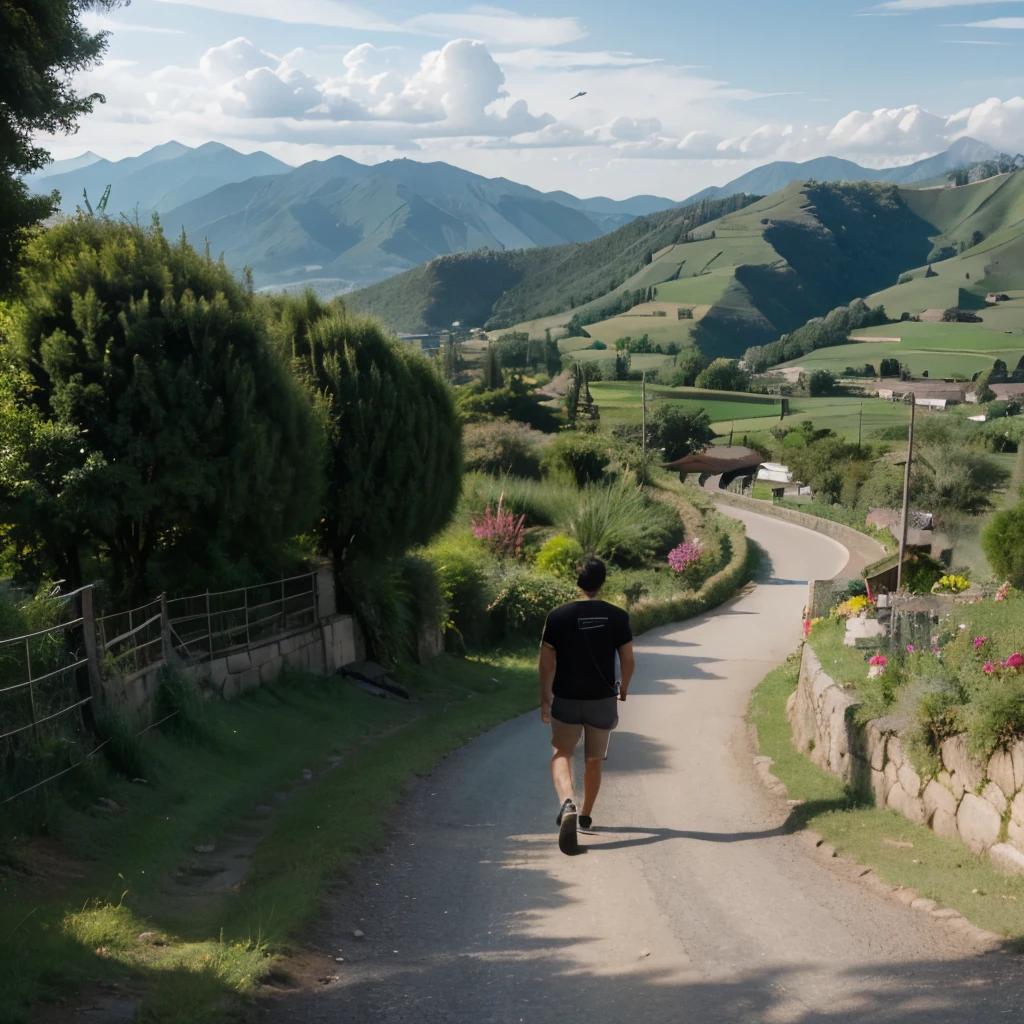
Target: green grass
620, 402
943, 350
941, 869
218, 947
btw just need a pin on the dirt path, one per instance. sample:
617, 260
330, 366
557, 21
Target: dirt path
691, 903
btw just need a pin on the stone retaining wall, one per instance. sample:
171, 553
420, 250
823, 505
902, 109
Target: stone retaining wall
863, 549
980, 802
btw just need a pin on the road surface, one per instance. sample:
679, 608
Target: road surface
690, 904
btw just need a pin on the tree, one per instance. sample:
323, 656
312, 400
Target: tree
982, 389
1003, 542
622, 364
680, 432
394, 440
493, 377
723, 375
822, 382
153, 423
889, 368
42, 45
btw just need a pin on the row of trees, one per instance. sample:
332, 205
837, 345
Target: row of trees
165, 427
821, 332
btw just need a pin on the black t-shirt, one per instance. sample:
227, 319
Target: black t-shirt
585, 636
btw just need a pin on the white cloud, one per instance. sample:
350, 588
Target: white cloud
330, 13
538, 57
929, 5
997, 23
94, 22
497, 25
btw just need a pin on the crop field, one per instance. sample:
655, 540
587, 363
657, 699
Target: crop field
619, 402
842, 415
943, 350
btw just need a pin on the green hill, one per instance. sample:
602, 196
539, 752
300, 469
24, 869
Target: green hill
732, 278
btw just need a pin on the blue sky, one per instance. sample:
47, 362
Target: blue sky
679, 95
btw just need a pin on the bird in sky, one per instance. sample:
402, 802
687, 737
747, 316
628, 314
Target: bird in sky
577, 96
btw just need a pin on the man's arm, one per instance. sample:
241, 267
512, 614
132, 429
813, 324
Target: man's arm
546, 669
626, 665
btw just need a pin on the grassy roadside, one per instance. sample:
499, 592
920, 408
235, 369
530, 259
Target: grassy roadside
938, 868
120, 875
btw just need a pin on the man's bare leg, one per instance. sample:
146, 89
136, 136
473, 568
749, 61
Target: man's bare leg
591, 784
561, 775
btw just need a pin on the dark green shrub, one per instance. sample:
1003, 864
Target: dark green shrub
180, 700
582, 457
502, 446
123, 749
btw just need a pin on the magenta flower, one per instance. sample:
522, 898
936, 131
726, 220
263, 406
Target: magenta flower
1015, 661
910, 648
980, 641
879, 659
988, 668
682, 557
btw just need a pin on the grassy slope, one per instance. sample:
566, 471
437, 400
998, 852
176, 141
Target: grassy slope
943, 350
219, 946
620, 403
940, 869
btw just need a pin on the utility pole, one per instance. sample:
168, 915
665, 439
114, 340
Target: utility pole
643, 421
860, 425
906, 493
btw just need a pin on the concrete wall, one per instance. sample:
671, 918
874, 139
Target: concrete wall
863, 549
978, 801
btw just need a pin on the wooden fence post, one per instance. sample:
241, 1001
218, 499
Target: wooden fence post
167, 643
92, 682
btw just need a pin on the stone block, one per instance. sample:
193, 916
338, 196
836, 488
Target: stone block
239, 663
1015, 835
876, 742
938, 798
891, 778
1000, 771
217, 671
270, 670
944, 824
1017, 756
909, 780
1007, 859
978, 823
910, 807
249, 680
894, 751
959, 762
994, 795
231, 689
259, 656
1015, 830
879, 786
286, 645
347, 628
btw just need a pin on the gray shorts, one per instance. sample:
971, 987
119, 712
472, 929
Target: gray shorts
594, 719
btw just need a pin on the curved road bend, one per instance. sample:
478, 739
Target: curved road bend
691, 904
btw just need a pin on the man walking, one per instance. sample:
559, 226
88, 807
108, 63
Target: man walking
579, 692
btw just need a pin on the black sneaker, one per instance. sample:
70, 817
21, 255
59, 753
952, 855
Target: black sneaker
567, 841
586, 823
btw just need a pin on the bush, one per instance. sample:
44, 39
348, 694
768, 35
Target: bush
582, 457
619, 522
502, 446
381, 600
723, 375
180, 700
123, 749
522, 601
560, 556
464, 572
544, 503
599, 346
679, 431
1003, 543
822, 382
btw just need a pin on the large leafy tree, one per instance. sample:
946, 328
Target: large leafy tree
148, 418
678, 431
394, 440
42, 44
1003, 542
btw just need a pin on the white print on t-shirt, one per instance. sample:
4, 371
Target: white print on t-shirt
592, 623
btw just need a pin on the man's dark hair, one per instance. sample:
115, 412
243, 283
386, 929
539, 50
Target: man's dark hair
590, 575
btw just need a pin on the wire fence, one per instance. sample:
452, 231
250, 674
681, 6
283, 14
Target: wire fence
47, 676
219, 623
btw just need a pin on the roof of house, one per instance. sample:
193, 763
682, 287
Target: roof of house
887, 518
718, 459
1005, 391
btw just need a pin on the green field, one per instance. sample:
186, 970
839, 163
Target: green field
941, 350
619, 402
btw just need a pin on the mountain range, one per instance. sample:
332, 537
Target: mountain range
338, 224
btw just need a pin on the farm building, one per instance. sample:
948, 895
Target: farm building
919, 529
932, 394
774, 473
1008, 392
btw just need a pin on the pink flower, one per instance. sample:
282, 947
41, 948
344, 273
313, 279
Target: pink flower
988, 668
910, 648
685, 555
807, 627
980, 641
879, 659
1015, 661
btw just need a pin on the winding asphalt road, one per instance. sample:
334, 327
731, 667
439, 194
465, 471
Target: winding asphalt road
691, 903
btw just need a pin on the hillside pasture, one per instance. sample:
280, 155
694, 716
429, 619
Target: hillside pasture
839, 414
620, 403
943, 350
